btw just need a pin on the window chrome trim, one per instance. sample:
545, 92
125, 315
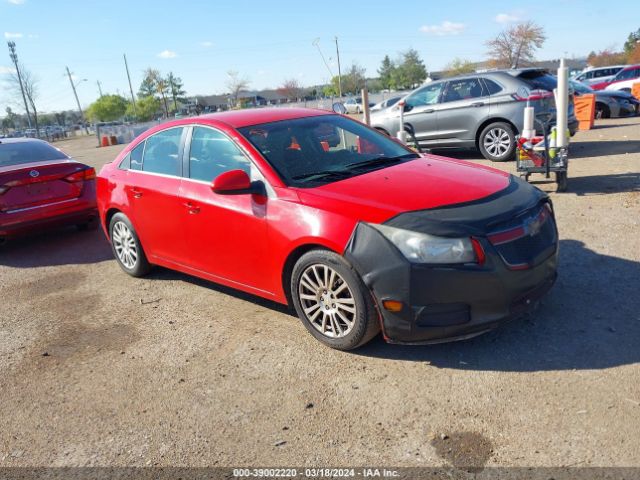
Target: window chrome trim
26, 209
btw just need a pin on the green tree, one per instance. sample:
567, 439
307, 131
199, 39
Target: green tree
411, 71
632, 40
108, 108
352, 81
386, 72
147, 108
148, 85
459, 66
176, 89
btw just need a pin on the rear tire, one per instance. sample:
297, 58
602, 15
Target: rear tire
497, 142
332, 301
126, 246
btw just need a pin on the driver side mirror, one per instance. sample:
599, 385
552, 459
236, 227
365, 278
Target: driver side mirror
339, 107
232, 182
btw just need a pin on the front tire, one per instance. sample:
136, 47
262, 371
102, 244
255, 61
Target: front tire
126, 246
332, 302
602, 111
497, 142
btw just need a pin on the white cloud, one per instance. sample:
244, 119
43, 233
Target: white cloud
167, 54
6, 70
445, 28
207, 44
16, 2
506, 18
10, 35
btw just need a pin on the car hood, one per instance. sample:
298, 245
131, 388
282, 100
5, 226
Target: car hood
424, 183
614, 94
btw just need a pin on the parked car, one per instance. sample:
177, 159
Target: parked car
354, 230
354, 105
609, 104
389, 102
623, 80
480, 110
594, 75
41, 187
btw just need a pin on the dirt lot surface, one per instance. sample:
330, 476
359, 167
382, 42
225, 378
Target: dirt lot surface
98, 368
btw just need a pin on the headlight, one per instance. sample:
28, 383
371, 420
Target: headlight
424, 248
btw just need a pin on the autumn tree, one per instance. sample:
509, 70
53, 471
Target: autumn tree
516, 45
291, 89
606, 57
459, 66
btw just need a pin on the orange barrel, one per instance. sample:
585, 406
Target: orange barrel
635, 90
585, 109
105, 141
114, 140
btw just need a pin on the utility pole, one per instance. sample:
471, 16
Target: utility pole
14, 58
99, 87
339, 72
73, 87
133, 98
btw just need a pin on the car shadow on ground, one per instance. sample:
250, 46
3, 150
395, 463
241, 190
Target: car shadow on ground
65, 246
604, 184
589, 320
160, 273
592, 149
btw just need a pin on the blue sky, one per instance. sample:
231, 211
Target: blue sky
269, 41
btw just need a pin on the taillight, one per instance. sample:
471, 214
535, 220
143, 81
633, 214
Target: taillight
87, 174
533, 95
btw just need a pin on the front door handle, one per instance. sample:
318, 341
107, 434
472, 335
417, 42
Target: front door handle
430, 110
477, 104
193, 209
136, 193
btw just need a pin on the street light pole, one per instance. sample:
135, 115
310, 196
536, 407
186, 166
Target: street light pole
339, 73
14, 58
75, 94
133, 97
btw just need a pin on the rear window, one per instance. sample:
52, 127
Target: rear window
27, 152
539, 80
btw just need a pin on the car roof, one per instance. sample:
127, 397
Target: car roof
255, 116
21, 140
630, 67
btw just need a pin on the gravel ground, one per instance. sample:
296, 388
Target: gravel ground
98, 368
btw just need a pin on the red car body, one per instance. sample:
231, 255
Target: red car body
623, 75
251, 241
37, 193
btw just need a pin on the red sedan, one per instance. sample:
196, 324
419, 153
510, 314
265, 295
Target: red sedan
41, 187
310, 208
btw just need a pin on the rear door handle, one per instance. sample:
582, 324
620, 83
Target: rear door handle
136, 193
477, 104
193, 209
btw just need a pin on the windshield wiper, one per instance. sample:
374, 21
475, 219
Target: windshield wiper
381, 161
323, 174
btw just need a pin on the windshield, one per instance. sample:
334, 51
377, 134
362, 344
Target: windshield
307, 152
19, 153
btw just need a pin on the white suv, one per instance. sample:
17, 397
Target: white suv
599, 74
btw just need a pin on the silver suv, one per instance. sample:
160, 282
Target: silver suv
482, 110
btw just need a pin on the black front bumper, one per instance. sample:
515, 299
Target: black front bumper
445, 303
442, 303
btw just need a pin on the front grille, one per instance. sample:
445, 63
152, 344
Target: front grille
529, 242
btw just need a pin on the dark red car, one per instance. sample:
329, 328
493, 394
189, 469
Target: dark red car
310, 208
40, 187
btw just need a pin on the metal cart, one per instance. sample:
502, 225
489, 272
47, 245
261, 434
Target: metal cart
537, 156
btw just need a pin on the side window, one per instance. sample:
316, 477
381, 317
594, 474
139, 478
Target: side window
463, 90
428, 95
136, 157
212, 153
161, 153
492, 86
125, 164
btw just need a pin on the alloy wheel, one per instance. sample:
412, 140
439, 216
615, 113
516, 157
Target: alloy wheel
327, 301
497, 142
125, 245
